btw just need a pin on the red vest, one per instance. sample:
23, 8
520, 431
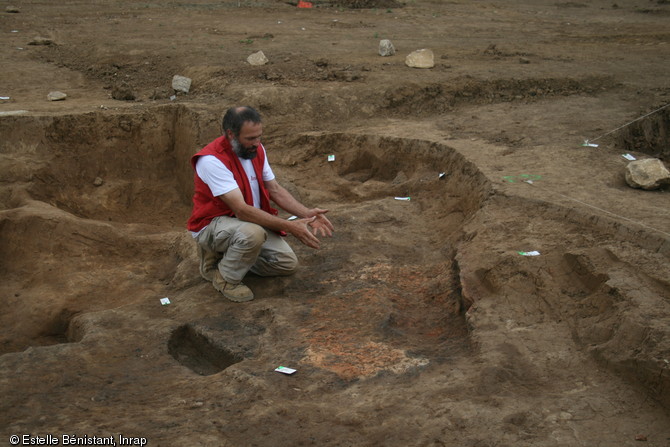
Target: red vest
205, 206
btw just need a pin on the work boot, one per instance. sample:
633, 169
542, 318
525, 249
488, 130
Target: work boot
209, 260
238, 293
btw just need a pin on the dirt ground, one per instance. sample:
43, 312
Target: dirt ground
419, 323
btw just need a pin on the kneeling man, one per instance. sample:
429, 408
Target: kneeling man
235, 227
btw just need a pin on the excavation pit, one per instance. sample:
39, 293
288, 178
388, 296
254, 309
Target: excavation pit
77, 186
198, 353
650, 135
420, 285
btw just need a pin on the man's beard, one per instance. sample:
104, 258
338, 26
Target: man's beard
248, 153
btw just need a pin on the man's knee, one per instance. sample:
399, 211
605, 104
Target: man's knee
251, 235
288, 263
276, 264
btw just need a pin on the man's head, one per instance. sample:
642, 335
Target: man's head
243, 128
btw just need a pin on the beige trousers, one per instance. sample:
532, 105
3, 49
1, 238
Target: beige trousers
247, 247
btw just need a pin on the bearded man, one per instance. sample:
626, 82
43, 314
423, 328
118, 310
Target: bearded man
233, 222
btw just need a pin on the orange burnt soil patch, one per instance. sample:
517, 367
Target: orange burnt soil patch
399, 324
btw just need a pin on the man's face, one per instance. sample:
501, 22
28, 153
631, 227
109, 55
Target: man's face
246, 144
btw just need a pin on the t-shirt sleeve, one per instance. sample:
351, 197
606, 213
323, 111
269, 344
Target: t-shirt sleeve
216, 175
267, 170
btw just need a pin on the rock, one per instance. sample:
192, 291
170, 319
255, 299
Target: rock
181, 83
98, 181
423, 58
123, 92
56, 96
647, 174
41, 41
386, 48
12, 9
258, 59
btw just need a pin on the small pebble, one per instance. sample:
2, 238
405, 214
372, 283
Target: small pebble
41, 41
56, 96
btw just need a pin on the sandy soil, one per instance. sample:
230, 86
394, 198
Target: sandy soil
418, 323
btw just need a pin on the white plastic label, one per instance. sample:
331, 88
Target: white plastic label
529, 253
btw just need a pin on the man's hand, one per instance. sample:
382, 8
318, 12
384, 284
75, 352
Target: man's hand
321, 225
300, 229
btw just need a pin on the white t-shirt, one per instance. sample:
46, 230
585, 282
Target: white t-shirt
221, 180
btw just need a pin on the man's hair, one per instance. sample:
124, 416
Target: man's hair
235, 117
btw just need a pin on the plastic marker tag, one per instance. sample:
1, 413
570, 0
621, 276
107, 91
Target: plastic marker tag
292, 218
529, 253
165, 301
587, 144
285, 370
4, 97
442, 175
628, 157
331, 158
406, 199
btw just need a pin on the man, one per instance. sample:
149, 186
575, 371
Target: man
232, 221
